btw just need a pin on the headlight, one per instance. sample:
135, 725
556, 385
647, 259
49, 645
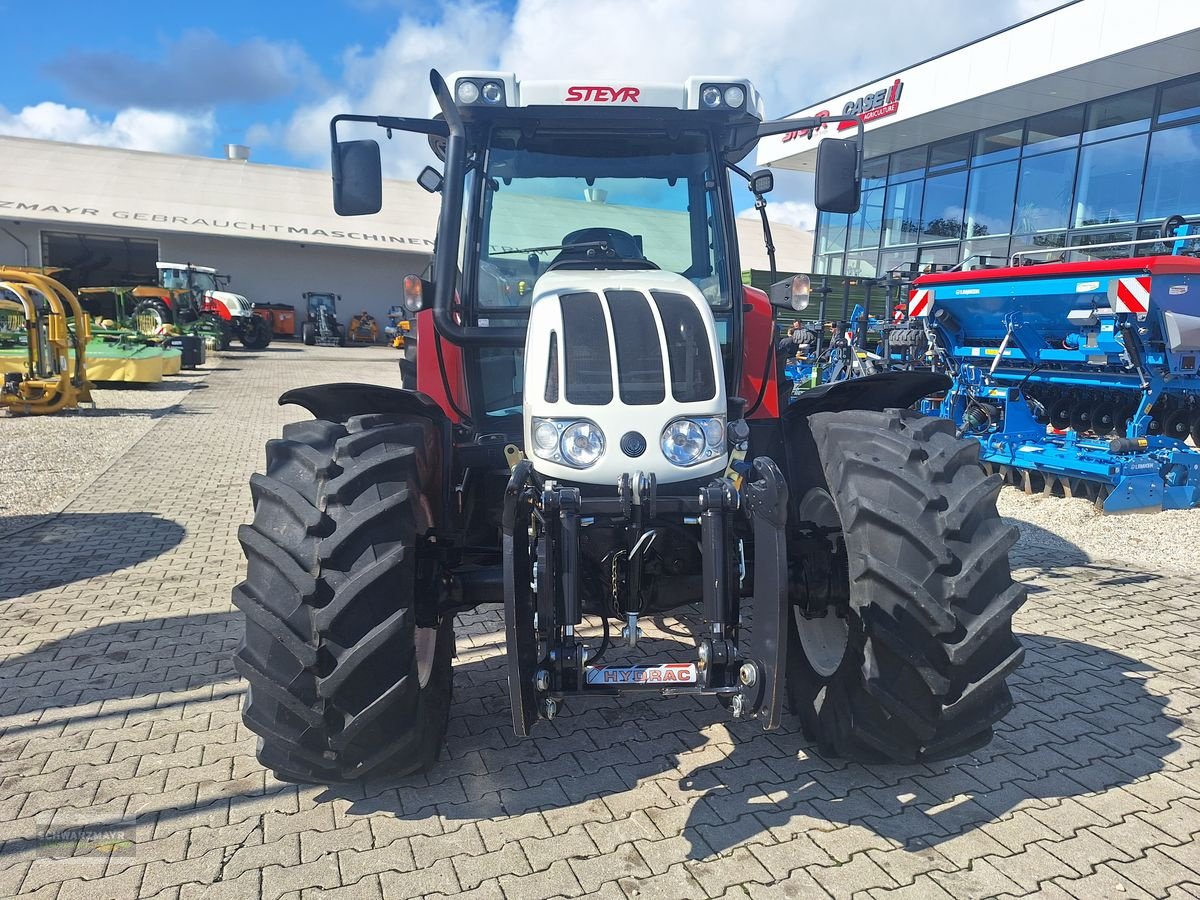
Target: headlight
574, 442
734, 96
492, 92
545, 437
711, 97
468, 92
582, 444
686, 442
714, 432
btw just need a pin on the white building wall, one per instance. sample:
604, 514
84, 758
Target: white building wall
264, 271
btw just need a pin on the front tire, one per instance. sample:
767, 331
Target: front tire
349, 673
308, 334
408, 362
913, 667
150, 316
256, 333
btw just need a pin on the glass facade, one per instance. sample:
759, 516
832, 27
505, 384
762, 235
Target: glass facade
1099, 172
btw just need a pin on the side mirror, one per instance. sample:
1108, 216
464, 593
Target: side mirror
791, 293
357, 178
762, 182
430, 179
837, 187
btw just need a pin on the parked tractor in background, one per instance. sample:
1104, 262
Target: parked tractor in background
609, 442
1078, 378
195, 296
321, 328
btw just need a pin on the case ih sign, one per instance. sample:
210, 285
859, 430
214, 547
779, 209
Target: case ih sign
869, 107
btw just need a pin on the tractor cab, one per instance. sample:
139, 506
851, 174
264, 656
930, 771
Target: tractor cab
595, 436
545, 182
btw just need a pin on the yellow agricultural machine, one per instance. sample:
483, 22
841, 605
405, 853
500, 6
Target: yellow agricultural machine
398, 327
43, 333
363, 329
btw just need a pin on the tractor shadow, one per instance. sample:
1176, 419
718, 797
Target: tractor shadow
42, 553
650, 760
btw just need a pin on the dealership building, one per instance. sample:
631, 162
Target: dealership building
105, 216
1078, 127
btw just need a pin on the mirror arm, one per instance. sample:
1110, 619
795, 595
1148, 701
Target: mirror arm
391, 123
783, 126
760, 203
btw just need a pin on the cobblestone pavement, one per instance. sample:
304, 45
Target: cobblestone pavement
120, 728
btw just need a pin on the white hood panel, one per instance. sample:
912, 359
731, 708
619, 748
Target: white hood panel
235, 303
616, 418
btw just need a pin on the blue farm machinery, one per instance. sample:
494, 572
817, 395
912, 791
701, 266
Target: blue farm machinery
1077, 378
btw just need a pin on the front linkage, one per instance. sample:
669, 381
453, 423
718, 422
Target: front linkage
547, 661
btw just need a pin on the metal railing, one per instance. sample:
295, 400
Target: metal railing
1084, 248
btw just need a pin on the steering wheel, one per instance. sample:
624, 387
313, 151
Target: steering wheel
621, 251
1171, 226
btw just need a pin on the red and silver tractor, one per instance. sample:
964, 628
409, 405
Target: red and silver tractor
222, 313
596, 430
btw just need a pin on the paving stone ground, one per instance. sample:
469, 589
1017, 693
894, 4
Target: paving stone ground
125, 770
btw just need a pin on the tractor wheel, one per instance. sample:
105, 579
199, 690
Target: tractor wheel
256, 333
349, 673
1196, 429
913, 666
308, 334
150, 315
408, 363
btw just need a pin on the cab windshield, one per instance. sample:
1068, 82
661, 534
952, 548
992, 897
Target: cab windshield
178, 280
602, 200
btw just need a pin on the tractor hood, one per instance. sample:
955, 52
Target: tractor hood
235, 303
623, 375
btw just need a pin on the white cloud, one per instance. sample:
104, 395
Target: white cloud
796, 54
393, 79
798, 214
134, 129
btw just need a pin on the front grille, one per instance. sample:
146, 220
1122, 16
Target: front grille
639, 354
588, 367
692, 375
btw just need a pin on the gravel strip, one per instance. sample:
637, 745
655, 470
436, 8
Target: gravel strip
48, 459
1163, 541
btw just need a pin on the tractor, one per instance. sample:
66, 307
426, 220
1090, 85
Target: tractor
597, 430
197, 294
321, 327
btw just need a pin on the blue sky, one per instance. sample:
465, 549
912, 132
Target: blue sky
188, 77
94, 44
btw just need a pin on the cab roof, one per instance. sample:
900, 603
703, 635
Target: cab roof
170, 265
689, 95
